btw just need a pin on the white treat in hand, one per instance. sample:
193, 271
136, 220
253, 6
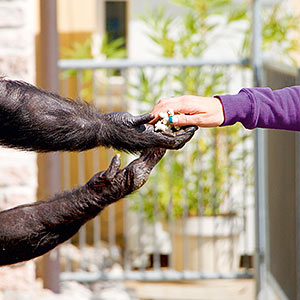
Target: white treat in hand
161, 125
171, 112
163, 115
165, 121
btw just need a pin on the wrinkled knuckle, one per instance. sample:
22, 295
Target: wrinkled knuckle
183, 119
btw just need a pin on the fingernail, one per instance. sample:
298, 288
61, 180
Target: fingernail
170, 120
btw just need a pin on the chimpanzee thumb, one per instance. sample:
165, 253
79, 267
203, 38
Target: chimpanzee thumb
113, 168
142, 119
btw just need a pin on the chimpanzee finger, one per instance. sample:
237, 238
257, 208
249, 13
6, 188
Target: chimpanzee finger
183, 137
113, 168
153, 157
187, 130
140, 169
142, 119
149, 158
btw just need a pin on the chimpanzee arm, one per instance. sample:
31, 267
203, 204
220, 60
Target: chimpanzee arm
34, 119
29, 231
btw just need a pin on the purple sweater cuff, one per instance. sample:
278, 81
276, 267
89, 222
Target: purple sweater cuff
263, 108
238, 108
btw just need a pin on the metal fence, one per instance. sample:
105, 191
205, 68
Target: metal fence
194, 218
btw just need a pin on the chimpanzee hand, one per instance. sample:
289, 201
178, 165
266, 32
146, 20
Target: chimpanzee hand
132, 133
33, 119
115, 183
28, 231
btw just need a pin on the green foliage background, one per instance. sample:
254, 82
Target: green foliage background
198, 180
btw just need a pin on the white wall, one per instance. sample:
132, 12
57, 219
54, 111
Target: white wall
18, 170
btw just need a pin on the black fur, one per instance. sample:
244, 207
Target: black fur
31, 230
34, 119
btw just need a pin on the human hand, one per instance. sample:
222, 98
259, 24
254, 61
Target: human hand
199, 111
115, 183
133, 134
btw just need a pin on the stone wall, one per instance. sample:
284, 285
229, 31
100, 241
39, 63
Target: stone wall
18, 170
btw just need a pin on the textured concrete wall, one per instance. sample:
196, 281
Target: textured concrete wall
18, 170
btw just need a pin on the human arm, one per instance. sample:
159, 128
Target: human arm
31, 230
253, 107
263, 108
34, 119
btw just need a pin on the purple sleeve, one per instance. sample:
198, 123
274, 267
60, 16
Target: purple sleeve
263, 108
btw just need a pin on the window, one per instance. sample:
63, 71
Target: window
116, 19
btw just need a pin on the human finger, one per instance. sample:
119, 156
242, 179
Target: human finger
186, 104
164, 105
201, 120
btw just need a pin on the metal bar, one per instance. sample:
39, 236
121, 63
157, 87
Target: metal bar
260, 208
111, 227
214, 195
257, 43
126, 206
141, 227
82, 231
81, 173
199, 204
247, 205
215, 184
66, 174
65, 64
244, 197
186, 265
125, 237
49, 81
67, 186
124, 88
86, 277
171, 157
260, 147
229, 182
141, 213
111, 208
96, 232
156, 252
96, 168
170, 165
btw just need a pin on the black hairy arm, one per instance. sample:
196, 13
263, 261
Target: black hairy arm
34, 119
31, 230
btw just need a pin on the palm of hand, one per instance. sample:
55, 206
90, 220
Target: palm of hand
115, 183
